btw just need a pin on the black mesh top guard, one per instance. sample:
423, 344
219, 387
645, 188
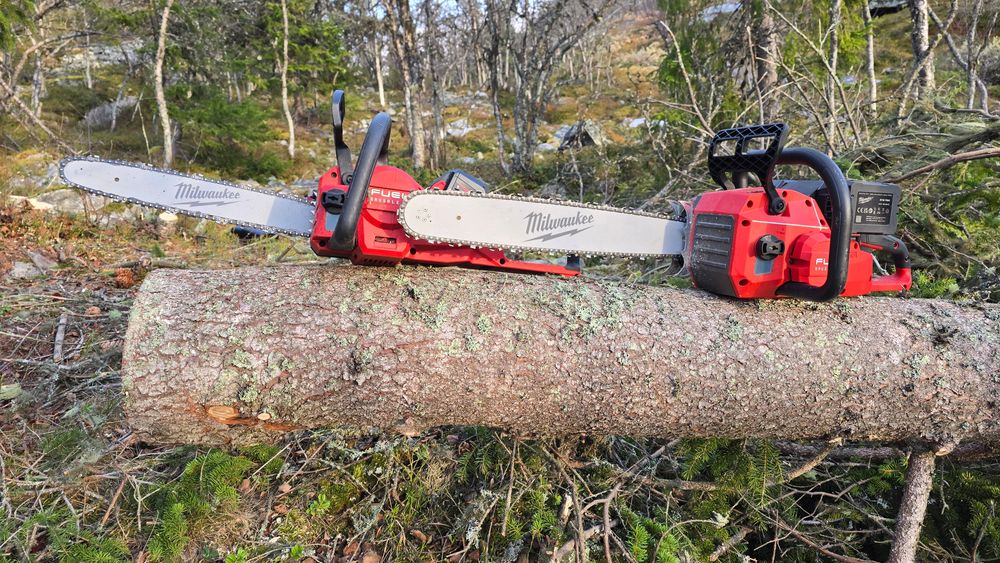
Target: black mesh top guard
732, 157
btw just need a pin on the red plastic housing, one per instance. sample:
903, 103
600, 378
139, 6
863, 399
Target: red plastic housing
727, 225
381, 240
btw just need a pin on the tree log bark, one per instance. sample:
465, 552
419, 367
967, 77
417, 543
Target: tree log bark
232, 357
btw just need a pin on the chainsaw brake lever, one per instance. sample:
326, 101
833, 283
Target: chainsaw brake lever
341, 148
731, 171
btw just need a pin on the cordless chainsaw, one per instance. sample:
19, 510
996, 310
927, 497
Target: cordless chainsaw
809, 239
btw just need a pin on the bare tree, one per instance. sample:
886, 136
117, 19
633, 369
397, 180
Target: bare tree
284, 80
403, 36
534, 36
377, 59
161, 100
866, 15
765, 47
832, 78
432, 81
973, 52
973, 72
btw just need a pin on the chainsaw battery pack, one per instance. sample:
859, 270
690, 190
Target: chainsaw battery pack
874, 205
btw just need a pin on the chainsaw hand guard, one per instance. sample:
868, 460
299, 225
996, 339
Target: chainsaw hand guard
340, 147
731, 171
840, 225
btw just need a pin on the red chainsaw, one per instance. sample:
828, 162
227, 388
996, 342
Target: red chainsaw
809, 239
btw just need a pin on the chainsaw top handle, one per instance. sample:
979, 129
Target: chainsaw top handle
374, 150
839, 219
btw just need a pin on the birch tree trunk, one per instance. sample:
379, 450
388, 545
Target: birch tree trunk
433, 55
973, 52
161, 100
866, 16
240, 356
38, 85
832, 78
920, 39
377, 57
87, 78
284, 80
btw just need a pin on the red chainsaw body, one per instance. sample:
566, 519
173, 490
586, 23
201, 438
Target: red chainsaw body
727, 225
381, 240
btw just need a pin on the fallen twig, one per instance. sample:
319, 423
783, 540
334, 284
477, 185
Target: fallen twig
809, 542
730, 543
113, 503
571, 545
57, 346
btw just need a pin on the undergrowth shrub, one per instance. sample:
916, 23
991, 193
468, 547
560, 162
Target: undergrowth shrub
229, 136
206, 489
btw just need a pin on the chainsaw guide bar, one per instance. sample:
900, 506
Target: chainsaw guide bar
497, 221
189, 194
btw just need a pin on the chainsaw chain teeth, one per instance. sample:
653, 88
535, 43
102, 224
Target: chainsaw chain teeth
199, 214
516, 247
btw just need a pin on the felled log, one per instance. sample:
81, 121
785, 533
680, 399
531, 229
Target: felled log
231, 357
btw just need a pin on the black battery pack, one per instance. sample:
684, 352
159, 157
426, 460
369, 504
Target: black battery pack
874, 205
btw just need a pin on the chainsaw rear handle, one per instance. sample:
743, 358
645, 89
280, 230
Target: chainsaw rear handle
840, 224
892, 245
374, 150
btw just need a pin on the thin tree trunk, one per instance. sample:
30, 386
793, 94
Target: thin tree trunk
950, 41
920, 39
284, 80
919, 478
432, 57
38, 85
239, 356
161, 100
402, 33
87, 78
832, 77
866, 14
972, 53
377, 56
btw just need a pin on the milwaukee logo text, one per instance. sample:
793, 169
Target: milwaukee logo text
545, 223
201, 197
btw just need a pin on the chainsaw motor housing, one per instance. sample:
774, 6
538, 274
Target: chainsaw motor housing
815, 244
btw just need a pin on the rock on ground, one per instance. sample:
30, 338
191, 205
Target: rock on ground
101, 116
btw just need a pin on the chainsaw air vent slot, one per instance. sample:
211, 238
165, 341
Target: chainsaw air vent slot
711, 252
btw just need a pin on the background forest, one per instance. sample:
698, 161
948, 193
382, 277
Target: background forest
240, 89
